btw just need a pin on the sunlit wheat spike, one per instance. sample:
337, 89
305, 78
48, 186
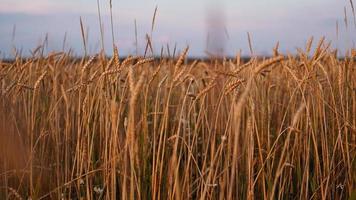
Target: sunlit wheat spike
309, 45
184, 78
205, 90
178, 76
298, 114
113, 71
318, 48
194, 64
128, 60
155, 73
37, 83
340, 77
267, 63
111, 61
87, 64
25, 86
8, 88
76, 87
232, 85
116, 57
226, 73
181, 58
131, 80
353, 53
138, 85
144, 61
93, 76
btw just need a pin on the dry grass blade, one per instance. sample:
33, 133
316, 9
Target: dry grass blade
136, 36
101, 27
83, 36
345, 18
154, 19
353, 12
275, 50
337, 29
112, 26
148, 45
250, 43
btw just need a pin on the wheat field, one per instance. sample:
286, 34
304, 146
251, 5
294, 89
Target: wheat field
101, 127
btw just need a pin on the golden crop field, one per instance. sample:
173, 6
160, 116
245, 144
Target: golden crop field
170, 128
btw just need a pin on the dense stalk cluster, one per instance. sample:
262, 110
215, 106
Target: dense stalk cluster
140, 128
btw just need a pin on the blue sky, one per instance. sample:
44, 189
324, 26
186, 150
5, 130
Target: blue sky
180, 22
